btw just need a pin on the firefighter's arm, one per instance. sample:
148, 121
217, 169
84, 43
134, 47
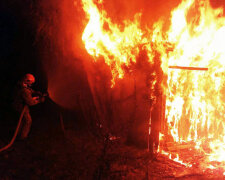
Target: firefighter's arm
36, 93
41, 95
29, 100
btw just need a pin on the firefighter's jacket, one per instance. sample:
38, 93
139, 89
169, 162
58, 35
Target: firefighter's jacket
25, 96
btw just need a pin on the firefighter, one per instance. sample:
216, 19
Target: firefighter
25, 97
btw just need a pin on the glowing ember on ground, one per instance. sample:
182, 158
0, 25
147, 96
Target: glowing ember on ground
195, 99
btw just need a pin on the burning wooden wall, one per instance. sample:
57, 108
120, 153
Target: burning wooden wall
121, 105
118, 65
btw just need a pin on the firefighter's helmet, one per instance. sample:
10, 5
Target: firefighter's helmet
28, 79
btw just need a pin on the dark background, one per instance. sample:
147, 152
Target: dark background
18, 49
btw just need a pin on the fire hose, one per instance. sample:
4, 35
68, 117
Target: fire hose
16, 131
18, 127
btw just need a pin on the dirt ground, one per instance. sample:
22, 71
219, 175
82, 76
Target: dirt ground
48, 153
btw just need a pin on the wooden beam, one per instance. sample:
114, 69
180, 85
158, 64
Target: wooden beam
189, 68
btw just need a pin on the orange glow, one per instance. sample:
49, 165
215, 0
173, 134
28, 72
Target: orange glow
119, 45
195, 105
195, 99
103, 38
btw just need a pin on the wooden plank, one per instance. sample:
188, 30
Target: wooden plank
189, 68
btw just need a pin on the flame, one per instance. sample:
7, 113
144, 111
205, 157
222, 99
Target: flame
195, 103
195, 99
176, 159
118, 46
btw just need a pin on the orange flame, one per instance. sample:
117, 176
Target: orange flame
195, 99
103, 38
117, 45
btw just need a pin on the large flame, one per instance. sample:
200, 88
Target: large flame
195, 106
117, 45
195, 99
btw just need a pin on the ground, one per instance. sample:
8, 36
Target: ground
50, 153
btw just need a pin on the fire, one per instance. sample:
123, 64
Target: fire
195, 99
118, 46
195, 106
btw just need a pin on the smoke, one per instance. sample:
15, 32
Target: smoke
59, 33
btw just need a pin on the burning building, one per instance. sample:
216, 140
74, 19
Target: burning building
157, 81
181, 71
150, 74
